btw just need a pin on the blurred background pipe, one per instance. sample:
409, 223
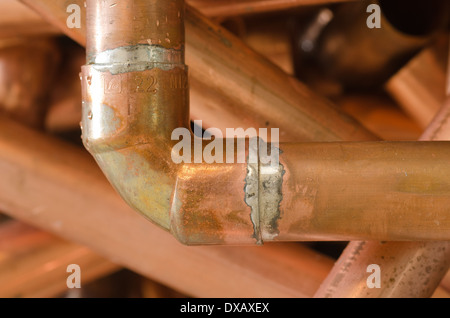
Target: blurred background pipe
351, 53
223, 8
27, 71
407, 269
18, 20
419, 87
34, 263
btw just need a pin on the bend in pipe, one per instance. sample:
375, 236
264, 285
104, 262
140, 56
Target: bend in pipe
135, 94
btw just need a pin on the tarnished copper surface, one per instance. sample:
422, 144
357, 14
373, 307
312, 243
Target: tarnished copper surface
232, 86
132, 102
375, 191
85, 209
412, 269
143, 22
424, 190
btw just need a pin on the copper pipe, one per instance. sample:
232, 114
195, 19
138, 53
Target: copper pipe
381, 115
33, 263
271, 39
406, 27
85, 209
252, 92
223, 8
135, 96
408, 269
419, 87
373, 190
28, 69
445, 282
232, 86
238, 115
440, 293
17, 20
64, 112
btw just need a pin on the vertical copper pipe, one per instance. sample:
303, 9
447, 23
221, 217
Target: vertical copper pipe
232, 86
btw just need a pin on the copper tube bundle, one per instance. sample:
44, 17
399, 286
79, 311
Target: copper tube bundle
151, 67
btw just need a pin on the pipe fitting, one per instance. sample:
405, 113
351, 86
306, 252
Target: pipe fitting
135, 95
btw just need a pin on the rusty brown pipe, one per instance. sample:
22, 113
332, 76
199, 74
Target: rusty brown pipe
135, 94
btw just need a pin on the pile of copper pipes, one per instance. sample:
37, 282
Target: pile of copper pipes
334, 76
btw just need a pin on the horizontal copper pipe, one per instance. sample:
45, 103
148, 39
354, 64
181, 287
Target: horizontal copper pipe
408, 269
411, 269
379, 191
85, 209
